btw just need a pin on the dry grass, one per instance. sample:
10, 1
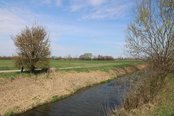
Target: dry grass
142, 92
22, 94
163, 103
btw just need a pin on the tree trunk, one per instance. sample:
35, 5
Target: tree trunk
32, 69
22, 69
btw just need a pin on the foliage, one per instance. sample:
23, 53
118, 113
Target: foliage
33, 48
151, 35
100, 57
86, 56
163, 101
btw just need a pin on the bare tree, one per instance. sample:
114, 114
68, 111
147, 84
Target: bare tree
151, 35
33, 48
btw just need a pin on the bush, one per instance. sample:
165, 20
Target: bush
33, 48
142, 91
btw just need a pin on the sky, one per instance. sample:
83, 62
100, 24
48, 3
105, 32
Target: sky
74, 26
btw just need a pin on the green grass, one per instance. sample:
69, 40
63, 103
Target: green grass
13, 75
89, 63
85, 66
10, 113
54, 98
7, 65
165, 103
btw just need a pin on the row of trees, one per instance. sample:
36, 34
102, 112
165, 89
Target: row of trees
89, 56
85, 56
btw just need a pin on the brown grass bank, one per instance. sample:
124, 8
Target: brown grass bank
21, 94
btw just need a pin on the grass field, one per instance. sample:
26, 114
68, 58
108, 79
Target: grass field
9, 64
71, 65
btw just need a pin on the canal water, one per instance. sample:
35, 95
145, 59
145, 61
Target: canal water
94, 101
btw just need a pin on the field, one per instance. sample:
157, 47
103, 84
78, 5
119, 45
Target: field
74, 64
70, 65
7, 65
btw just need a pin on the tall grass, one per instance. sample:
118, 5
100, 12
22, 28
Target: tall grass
142, 91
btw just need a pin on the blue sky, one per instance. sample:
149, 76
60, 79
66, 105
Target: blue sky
75, 26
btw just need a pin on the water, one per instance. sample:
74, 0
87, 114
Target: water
94, 101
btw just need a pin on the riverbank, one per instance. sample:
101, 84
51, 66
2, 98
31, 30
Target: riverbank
162, 105
20, 94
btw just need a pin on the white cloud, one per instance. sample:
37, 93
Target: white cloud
10, 22
107, 12
99, 9
77, 5
58, 3
48, 3
96, 2
76, 8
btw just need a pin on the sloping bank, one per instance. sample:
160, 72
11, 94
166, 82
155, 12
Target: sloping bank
21, 94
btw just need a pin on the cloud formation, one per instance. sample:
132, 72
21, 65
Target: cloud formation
100, 9
12, 19
105, 12
68, 34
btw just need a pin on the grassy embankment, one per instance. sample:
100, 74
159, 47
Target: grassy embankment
161, 105
20, 94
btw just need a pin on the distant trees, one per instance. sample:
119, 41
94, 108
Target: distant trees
86, 56
151, 35
33, 48
100, 57
5, 58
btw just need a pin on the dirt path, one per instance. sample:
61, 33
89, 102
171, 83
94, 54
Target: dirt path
9, 71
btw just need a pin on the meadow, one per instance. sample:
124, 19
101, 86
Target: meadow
70, 65
74, 64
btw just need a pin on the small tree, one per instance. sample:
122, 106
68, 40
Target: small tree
151, 35
33, 48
